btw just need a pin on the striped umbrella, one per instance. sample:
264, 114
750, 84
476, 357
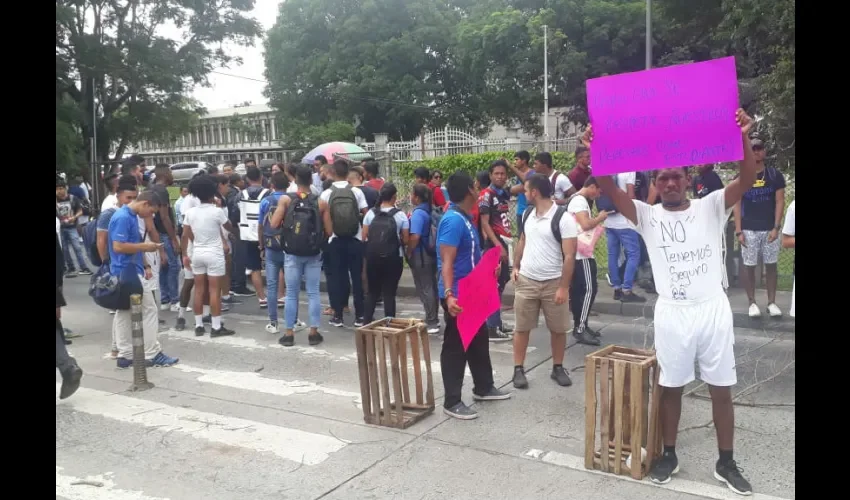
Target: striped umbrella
332, 150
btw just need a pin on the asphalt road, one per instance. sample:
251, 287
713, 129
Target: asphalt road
243, 417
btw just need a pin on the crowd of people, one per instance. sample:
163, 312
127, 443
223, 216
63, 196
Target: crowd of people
225, 230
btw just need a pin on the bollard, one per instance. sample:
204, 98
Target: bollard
140, 373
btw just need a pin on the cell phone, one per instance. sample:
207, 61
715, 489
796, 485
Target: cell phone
160, 245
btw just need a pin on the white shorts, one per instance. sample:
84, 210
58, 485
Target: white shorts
209, 262
701, 331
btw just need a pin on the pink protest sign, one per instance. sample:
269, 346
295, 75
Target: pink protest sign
478, 295
676, 116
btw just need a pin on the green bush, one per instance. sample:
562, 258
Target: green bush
471, 163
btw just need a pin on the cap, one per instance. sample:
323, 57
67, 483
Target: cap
757, 143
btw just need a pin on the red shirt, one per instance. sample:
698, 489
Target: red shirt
439, 199
376, 184
494, 202
578, 176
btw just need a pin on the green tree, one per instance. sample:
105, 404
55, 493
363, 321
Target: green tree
113, 56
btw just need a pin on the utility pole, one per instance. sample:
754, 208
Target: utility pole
95, 171
648, 34
546, 82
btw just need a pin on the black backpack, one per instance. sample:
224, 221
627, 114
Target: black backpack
556, 222
302, 229
383, 241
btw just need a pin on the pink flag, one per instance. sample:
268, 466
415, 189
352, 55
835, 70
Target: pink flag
478, 295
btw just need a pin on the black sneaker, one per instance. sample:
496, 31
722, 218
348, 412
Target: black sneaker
590, 331
507, 328
618, 295
221, 332
207, 320
359, 322
180, 325
86, 272
663, 469
315, 339
242, 292
520, 382
336, 321
200, 331
560, 376
585, 338
287, 340
730, 474
633, 298
71, 382
492, 395
497, 336
230, 300
461, 412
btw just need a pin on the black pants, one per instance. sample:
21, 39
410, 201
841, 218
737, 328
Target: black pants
63, 361
453, 361
383, 276
345, 274
583, 292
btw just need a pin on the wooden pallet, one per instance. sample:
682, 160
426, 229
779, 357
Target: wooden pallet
629, 396
377, 382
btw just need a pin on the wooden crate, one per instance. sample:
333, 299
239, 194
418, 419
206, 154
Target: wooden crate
377, 383
629, 397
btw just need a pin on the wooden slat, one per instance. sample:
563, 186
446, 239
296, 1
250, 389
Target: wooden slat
652, 447
396, 375
426, 352
604, 396
385, 380
363, 369
417, 366
374, 402
619, 390
638, 409
601, 353
589, 410
402, 357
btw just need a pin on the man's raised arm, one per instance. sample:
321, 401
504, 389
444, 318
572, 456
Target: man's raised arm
747, 175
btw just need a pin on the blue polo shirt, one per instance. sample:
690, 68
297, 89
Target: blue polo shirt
124, 228
457, 230
521, 200
420, 223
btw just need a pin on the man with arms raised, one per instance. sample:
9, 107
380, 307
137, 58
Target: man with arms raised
693, 318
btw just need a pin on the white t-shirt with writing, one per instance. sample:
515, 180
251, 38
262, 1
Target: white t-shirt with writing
686, 247
358, 195
543, 258
562, 185
576, 205
619, 221
206, 221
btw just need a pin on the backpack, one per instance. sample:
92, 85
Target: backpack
85, 205
249, 215
345, 214
554, 180
605, 202
436, 216
302, 227
556, 222
383, 239
90, 243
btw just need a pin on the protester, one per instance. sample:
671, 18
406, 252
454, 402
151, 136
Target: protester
543, 270
560, 183
69, 209
386, 231
758, 219
178, 214
69, 370
522, 172
579, 175
422, 254
249, 208
165, 226
584, 286
693, 317
371, 168
494, 210
421, 175
459, 250
355, 177
789, 240
706, 181
621, 236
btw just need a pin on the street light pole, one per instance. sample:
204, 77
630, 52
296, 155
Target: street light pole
648, 34
546, 82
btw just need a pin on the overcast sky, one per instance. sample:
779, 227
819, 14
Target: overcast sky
226, 91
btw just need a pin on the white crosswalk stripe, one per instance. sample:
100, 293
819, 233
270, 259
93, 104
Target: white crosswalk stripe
99, 487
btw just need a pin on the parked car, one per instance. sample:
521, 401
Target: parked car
183, 172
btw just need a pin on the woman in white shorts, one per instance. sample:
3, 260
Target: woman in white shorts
203, 227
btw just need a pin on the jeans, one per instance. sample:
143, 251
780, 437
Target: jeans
237, 275
383, 276
423, 267
630, 240
453, 361
296, 268
168, 276
345, 274
275, 261
71, 239
495, 319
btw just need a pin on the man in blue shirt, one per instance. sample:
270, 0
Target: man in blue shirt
522, 171
126, 249
458, 251
422, 255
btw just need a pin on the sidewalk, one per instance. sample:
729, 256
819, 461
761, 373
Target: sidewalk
605, 304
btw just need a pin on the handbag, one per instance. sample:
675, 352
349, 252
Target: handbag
113, 292
587, 240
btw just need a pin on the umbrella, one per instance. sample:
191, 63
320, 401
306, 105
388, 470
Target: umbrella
331, 150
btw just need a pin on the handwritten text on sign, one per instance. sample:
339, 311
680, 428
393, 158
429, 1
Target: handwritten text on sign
668, 117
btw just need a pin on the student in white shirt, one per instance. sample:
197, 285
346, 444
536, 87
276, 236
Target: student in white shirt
542, 273
560, 183
789, 240
693, 318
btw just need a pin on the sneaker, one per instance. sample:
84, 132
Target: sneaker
71, 274
593, 333
287, 340
86, 272
207, 320
520, 382
200, 331
70, 381
175, 307
434, 330
497, 336
585, 338
180, 325
264, 303
461, 412
123, 363
112, 312
243, 292
632, 297
230, 300
315, 338
618, 294
507, 328
299, 324
560, 376
162, 359
221, 332
225, 308
730, 474
663, 469
272, 328
336, 321
608, 279
754, 311
164, 307
359, 322
774, 310
281, 302
492, 395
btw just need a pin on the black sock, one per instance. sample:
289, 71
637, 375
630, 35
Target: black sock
725, 456
557, 366
520, 367
669, 450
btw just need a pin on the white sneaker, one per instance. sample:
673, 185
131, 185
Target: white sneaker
755, 312
272, 328
774, 310
299, 324
175, 307
165, 307
433, 330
